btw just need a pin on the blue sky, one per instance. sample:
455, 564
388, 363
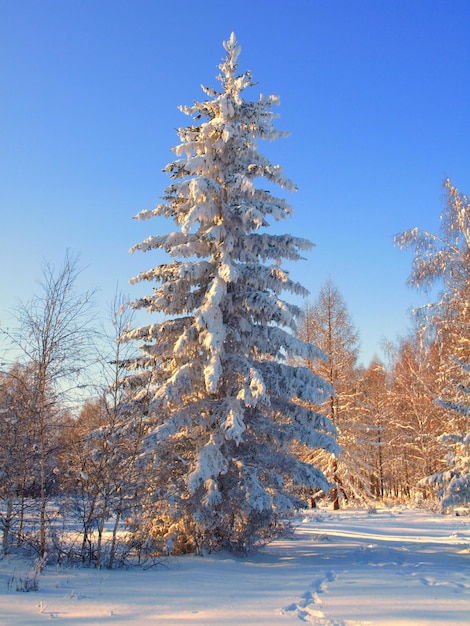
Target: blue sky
374, 93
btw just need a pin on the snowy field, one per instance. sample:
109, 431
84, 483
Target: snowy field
394, 567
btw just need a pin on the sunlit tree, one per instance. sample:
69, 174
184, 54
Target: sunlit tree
452, 484
18, 441
443, 260
53, 341
97, 473
415, 419
222, 400
327, 324
375, 419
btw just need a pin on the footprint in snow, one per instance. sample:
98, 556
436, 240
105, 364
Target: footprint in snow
431, 582
308, 609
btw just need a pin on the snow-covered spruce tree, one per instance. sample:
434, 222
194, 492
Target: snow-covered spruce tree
452, 485
222, 401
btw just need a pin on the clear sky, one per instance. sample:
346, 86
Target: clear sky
375, 94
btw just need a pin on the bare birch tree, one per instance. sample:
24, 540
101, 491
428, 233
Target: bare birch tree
53, 340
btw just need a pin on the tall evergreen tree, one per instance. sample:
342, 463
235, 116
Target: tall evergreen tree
222, 400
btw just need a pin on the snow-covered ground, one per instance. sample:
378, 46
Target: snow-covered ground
392, 567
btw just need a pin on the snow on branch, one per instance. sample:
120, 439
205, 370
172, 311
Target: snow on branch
210, 463
295, 382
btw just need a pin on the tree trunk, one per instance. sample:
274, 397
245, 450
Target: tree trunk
112, 552
335, 488
22, 506
100, 532
42, 527
7, 520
